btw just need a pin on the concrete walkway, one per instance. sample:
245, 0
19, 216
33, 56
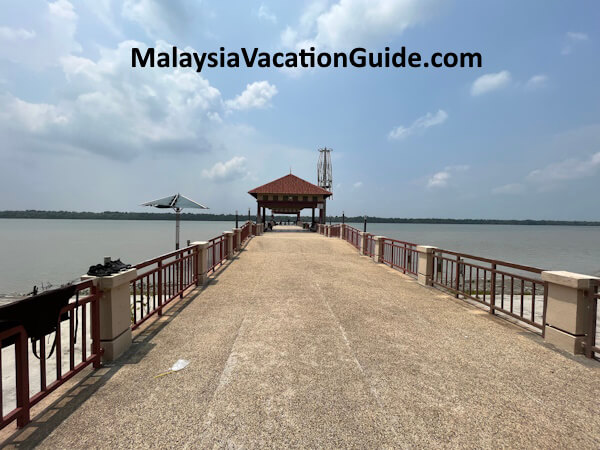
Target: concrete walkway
300, 342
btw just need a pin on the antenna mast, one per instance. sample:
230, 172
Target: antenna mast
324, 173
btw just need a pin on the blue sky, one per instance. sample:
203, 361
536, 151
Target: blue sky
516, 138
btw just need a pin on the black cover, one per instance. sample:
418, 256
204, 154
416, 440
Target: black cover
39, 314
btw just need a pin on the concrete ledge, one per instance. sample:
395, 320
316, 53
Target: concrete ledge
424, 280
117, 346
570, 279
563, 341
112, 281
425, 248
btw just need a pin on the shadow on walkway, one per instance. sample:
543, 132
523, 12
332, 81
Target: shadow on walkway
59, 405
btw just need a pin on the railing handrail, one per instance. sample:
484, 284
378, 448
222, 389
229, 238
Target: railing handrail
491, 261
218, 238
148, 262
24, 399
399, 242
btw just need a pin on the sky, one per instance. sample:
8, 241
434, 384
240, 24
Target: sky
518, 138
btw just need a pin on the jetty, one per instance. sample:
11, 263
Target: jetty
334, 338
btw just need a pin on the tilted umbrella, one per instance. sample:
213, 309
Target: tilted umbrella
176, 202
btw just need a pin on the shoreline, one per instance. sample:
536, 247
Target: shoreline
144, 216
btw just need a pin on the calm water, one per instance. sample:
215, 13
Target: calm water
576, 249
35, 251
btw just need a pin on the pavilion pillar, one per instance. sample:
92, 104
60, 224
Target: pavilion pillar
258, 212
313, 217
321, 215
263, 215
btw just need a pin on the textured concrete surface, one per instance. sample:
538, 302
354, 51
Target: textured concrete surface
300, 342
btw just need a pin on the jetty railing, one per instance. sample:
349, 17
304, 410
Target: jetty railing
401, 255
217, 252
83, 316
246, 231
160, 280
335, 231
593, 330
352, 235
511, 289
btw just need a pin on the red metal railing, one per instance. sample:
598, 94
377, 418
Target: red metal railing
593, 332
217, 252
235, 241
401, 255
81, 327
521, 294
352, 235
369, 245
246, 231
160, 280
334, 231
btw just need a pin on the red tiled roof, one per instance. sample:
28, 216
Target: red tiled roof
289, 184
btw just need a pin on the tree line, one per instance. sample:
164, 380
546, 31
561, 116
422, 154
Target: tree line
118, 215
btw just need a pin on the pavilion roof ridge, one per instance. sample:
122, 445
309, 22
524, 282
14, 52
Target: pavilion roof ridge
290, 184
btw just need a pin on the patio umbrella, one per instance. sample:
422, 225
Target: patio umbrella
176, 202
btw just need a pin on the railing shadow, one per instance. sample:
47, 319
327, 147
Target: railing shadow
73, 394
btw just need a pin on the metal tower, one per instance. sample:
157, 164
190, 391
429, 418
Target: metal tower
324, 173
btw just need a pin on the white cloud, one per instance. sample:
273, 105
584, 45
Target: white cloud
490, 82
439, 179
256, 95
509, 189
264, 13
576, 36
235, 168
34, 117
162, 19
537, 81
419, 125
46, 33
103, 9
118, 112
571, 39
442, 178
568, 169
348, 23
357, 185
13, 34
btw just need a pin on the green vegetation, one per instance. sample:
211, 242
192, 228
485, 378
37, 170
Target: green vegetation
117, 215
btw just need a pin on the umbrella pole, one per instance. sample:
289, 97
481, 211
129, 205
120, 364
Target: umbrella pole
177, 212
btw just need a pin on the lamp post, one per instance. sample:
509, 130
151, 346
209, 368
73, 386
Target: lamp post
236, 219
343, 218
365, 224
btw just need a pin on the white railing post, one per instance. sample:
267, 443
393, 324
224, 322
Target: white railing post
425, 272
115, 312
567, 310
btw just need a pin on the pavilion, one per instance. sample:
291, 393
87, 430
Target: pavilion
290, 195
